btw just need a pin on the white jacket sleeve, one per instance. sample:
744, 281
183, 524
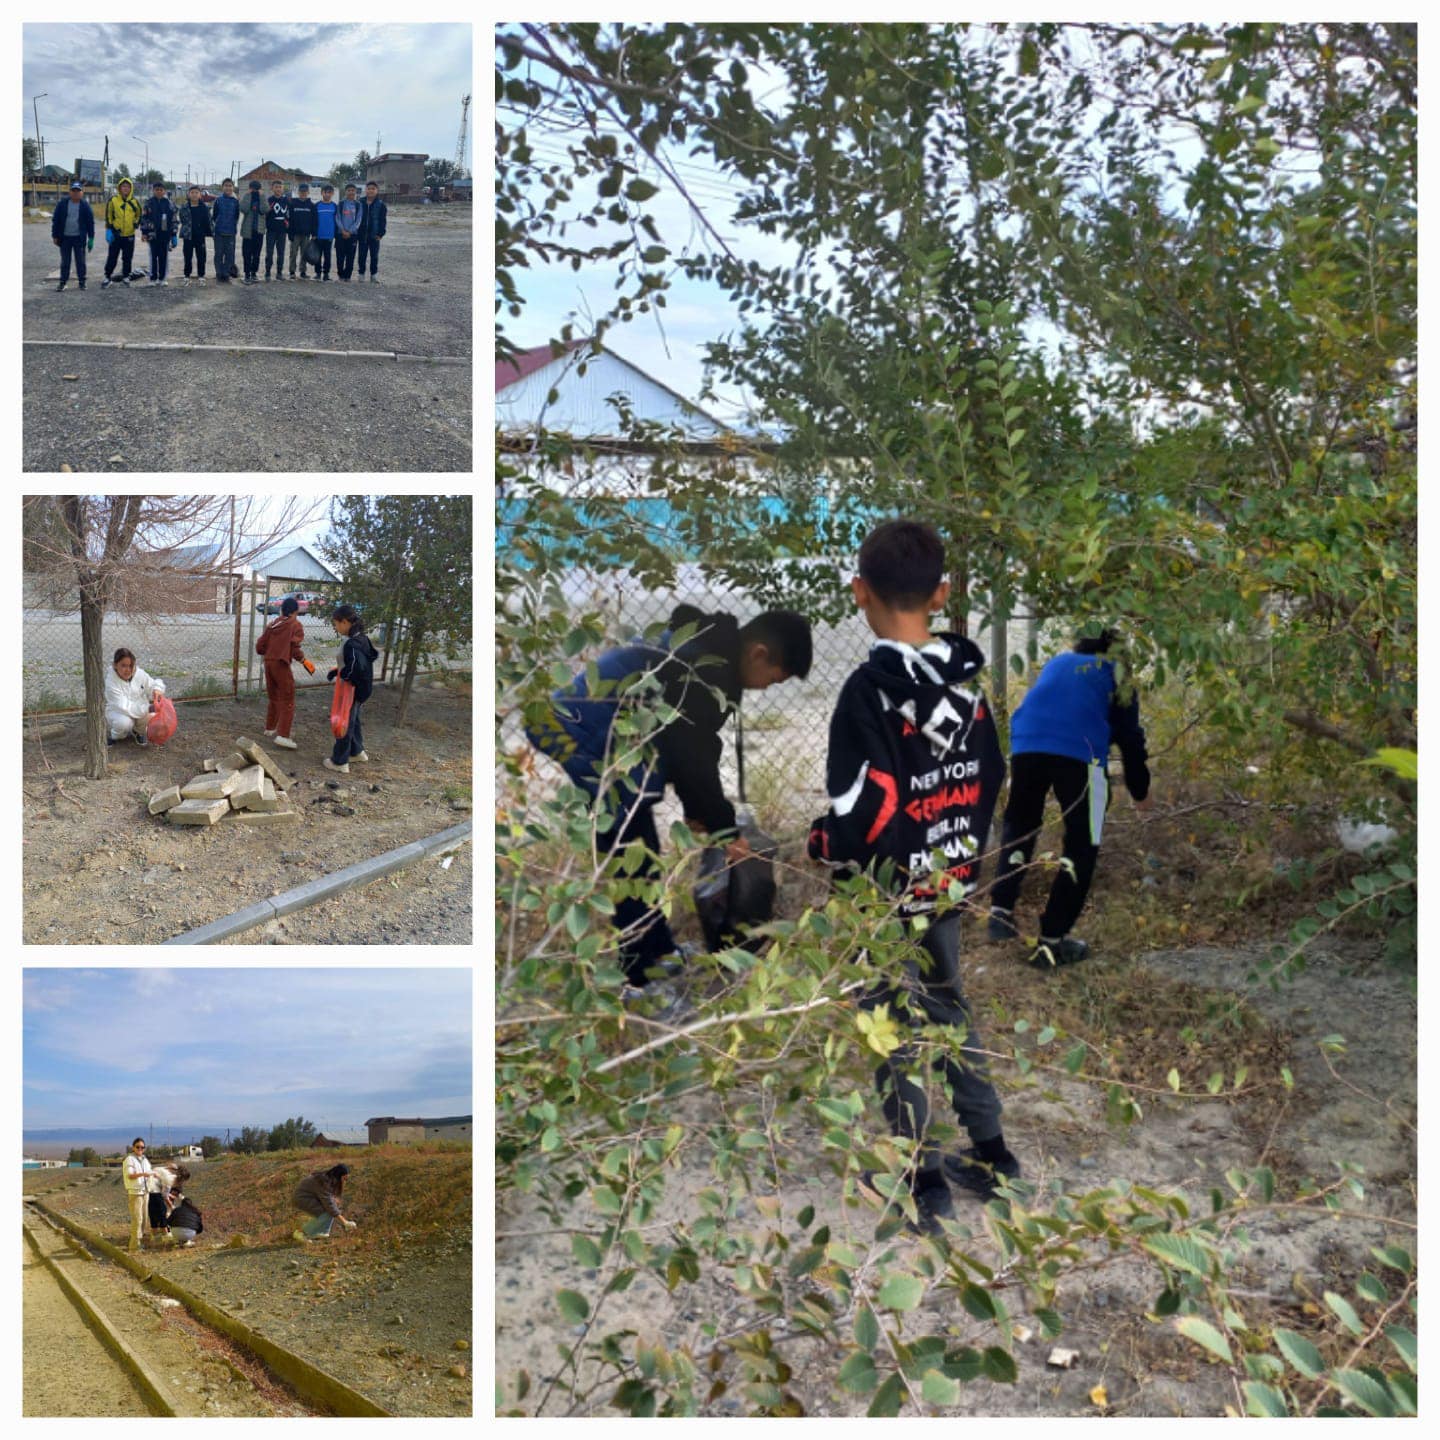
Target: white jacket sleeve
148, 685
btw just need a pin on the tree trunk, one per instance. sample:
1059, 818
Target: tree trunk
412, 664
92, 619
999, 645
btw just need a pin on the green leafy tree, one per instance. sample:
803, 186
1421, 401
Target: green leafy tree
211, 1146
86, 1156
29, 157
407, 560
252, 1140
440, 171
294, 1134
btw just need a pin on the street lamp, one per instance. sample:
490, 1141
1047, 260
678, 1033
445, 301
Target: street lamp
39, 143
146, 144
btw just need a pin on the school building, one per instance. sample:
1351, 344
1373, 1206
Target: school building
400, 175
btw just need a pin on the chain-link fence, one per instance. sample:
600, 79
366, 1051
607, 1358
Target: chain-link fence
202, 647
782, 733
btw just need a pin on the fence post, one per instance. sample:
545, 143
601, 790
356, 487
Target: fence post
235, 660
250, 648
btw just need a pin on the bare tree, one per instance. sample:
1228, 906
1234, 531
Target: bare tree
97, 553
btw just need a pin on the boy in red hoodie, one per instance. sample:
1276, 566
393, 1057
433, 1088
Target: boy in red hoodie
280, 644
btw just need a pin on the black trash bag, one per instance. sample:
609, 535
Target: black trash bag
234, 271
729, 897
312, 251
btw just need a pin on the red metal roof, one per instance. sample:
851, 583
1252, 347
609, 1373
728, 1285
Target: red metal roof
527, 362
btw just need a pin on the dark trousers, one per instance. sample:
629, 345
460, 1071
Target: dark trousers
250, 253
275, 246
935, 995
344, 256
1032, 777
352, 742
195, 249
224, 256
159, 258
72, 245
122, 247
646, 937
297, 252
370, 249
322, 265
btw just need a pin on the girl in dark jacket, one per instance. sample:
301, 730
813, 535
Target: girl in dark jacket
357, 665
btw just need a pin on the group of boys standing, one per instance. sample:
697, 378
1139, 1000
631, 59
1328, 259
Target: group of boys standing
352, 227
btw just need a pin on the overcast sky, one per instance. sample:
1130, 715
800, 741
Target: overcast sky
205, 95
128, 1047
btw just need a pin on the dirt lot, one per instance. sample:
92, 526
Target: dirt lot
1366, 1114
302, 415
381, 1307
99, 869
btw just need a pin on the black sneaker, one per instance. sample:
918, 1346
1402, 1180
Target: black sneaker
140, 739
932, 1205
105, 283
977, 1176
60, 286
1002, 926
1051, 954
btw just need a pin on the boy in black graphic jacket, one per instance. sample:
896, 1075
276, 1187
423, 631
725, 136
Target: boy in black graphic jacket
914, 767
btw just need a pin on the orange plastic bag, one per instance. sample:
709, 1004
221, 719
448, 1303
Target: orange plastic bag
340, 708
163, 722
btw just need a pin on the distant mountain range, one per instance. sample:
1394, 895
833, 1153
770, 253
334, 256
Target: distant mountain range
58, 1142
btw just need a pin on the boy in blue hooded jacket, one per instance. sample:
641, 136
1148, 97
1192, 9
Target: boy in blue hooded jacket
160, 224
325, 211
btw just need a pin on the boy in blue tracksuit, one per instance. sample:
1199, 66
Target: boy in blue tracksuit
72, 228
347, 232
160, 224
1060, 739
225, 222
325, 230
372, 231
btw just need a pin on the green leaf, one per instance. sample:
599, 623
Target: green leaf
640, 190
886, 1403
1202, 1332
585, 1251
1000, 1365
1249, 104
1181, 1252
1346, 1311
1368, 1287
1404, 1341
901, 1292
575, 1308
1264, 1400
1300, 1353
858, 1374
1365, 1391
1393, 1257
1173, 1079
938, 1389
654, 254
1405, 763
867, 1328
1074, 1058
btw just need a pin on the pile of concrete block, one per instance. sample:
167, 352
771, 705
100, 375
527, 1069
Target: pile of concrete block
246, 785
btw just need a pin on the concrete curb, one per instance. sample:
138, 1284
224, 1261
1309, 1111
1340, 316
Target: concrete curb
150, 1384
309, 1380
314, 891
180, 348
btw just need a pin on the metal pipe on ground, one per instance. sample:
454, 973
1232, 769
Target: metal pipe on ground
314, 891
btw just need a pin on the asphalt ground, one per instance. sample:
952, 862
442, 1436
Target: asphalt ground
239, 412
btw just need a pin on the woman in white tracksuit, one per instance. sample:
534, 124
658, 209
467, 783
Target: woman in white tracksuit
129, 699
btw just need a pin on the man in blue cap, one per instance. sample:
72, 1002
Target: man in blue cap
72, 228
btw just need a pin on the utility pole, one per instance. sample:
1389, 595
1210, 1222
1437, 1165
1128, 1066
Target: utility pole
39, 141
146, 144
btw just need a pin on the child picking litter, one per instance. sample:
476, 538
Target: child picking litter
357, 667
129, 699
280, 643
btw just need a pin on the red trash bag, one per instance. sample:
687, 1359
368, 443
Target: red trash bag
340, 708
163, 722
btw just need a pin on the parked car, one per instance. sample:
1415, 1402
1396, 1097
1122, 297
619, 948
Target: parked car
309, 601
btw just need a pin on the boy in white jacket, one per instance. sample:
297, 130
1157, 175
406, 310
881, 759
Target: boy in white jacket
129, 699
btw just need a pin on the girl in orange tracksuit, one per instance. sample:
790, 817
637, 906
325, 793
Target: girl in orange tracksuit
280, 643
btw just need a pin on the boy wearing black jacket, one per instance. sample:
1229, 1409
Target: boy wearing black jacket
194, 232
252, 232
722, 656
277, 225
302, 227
372, 231
914, 768
161, 225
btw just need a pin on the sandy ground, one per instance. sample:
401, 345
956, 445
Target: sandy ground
99, 869
70, 1373
210, 412
384, 1317
1064, 1141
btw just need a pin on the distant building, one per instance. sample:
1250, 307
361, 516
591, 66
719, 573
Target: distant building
28, 1164
388, 1130
301, 563
398, 175
267, 170
342, 1135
